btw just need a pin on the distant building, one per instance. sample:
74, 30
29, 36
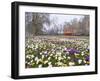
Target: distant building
69, 31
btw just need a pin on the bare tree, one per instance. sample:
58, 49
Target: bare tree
80, 27
35, 25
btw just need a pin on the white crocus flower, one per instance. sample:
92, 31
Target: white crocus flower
71, 63
45, 62
59, 63
64, 56
28, 63
32, 56
36, 46
45, 52
76, 54
40, 66
49, 63
67, 53
82, 53
58, 53
65, 48
59, 58
42, 56
55, 57
79, 61
51, 54
49, 58
40, 53
27, 56
69, 57
84, 61
37, 61
31, 61
50, 66
36, 58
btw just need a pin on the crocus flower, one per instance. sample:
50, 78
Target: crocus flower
87, 49
75, 59
72, 51
45, 53
65, 49
87, 58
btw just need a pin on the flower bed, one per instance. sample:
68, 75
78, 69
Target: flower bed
56, 52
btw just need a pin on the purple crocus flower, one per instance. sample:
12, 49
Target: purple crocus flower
87, 49
87, 58
72, 51
75, 59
